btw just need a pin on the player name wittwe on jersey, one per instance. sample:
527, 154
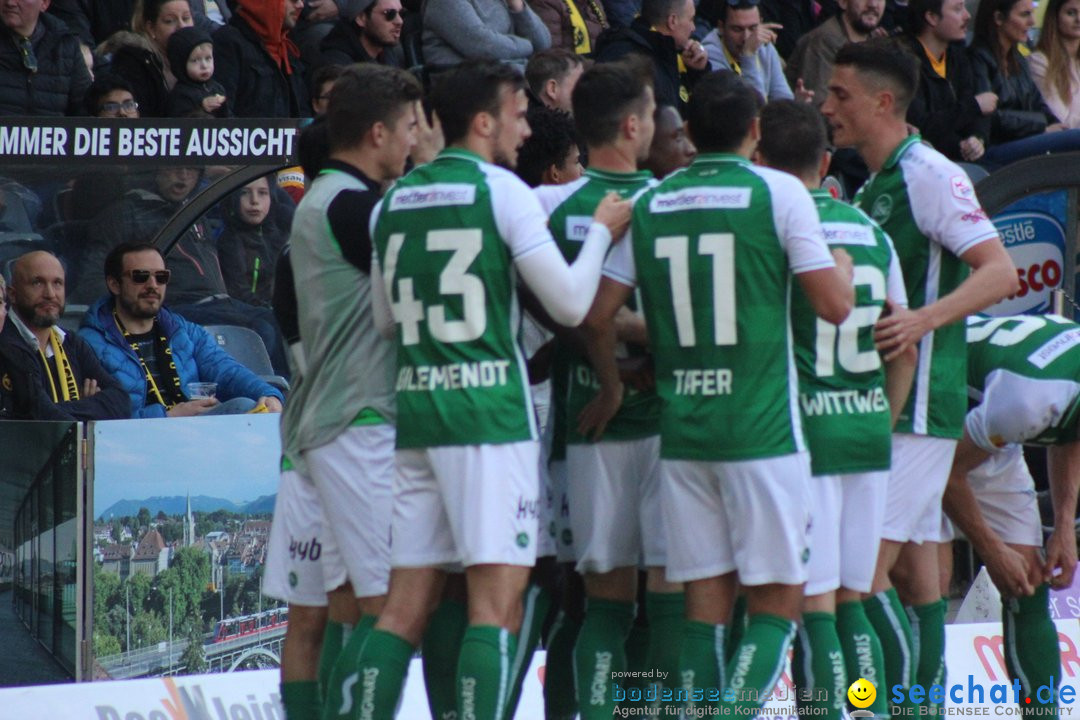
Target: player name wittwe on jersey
702, 381
456, 376
844, 402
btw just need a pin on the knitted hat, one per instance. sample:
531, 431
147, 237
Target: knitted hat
181, 43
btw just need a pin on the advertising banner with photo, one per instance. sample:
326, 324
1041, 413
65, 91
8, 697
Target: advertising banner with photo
181, 518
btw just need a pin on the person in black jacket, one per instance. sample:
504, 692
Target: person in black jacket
196, 93
661, 33
1023, 124
948, 112
251, 242
21, 396
69, 371
42, 71
257, 62
371, 34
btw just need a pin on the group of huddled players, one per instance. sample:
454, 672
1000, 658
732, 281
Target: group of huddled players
767, 456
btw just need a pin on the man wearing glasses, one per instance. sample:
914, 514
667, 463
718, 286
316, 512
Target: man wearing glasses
157, 355
42, 71
373, 34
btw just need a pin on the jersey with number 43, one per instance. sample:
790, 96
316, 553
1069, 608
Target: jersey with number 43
1040, 355
446, 236
845, 409
713, 248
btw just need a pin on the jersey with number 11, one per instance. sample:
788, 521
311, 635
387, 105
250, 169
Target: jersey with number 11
713, 249
446, 236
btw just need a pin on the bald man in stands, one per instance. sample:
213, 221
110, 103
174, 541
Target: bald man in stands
71, 374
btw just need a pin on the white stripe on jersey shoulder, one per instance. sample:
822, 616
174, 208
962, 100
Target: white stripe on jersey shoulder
552, 196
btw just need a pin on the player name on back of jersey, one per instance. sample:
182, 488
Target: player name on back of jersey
844, 402
456, 376
702, 381
1054, 349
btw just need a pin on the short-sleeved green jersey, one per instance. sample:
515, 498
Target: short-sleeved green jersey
570, 208
712, 249
927, 205
841, 376
446, 236
1043, 349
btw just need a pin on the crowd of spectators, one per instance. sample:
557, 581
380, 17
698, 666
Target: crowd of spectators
993, 89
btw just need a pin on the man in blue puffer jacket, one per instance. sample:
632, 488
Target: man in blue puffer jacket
155, 353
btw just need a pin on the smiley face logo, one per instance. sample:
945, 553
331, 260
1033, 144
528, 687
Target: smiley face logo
862, 693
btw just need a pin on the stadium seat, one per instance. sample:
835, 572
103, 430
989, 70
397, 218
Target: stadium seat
247, 348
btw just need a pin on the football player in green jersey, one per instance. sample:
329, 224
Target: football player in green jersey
1026, 371
954, 265
713, 249
613, 484
449, 239
845, 391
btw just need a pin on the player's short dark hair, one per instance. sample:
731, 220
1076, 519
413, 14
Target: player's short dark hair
466, 90
884, 60
114, 261
102, 86
605, 95
793, 136
550, 64
917, 10
656, 12
367, 93
721, 112
313, 147
323, 75
553, 134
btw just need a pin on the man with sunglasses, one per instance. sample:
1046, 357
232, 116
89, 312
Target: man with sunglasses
373, 34
156, 354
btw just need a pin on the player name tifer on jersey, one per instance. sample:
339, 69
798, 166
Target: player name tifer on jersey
458, 376
844, 402
706, 382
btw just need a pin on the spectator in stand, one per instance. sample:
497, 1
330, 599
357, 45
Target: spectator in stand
21, 396
42, 71
68, 371
322, 81
661, 33
371, 33
457, 30
196, 93
251, 243
745, 45
315, 21
156, 354
552, 154
257, 62
671, 147
198, 287
111, 96
1023, 125
946, 109
811, 61
621, 13
139, 57
551, 76
1055, 64
795, 18
574, 24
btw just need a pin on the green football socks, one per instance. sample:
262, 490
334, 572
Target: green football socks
759, 660
863, 656
483, 672
440, 650
1032, 652
818, 667
599, 652
701, 664
301, 700
383, 665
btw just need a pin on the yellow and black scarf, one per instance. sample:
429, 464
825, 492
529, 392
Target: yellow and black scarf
165, 357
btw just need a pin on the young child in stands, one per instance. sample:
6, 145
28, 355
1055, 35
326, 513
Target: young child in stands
196, 93
254, 234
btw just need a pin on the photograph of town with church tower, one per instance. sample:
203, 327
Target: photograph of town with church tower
178, 553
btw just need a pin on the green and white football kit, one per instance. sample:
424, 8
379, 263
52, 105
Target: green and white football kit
927, 205
713, 249
613, 485
448, 238
842, 396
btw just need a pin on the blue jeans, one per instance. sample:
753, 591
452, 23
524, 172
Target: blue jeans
1009, 152
235, 406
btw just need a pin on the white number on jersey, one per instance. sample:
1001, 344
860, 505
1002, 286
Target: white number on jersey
455, 279
676, 250
830, 349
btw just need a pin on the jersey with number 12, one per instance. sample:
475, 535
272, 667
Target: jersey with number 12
713, 249
446, 236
